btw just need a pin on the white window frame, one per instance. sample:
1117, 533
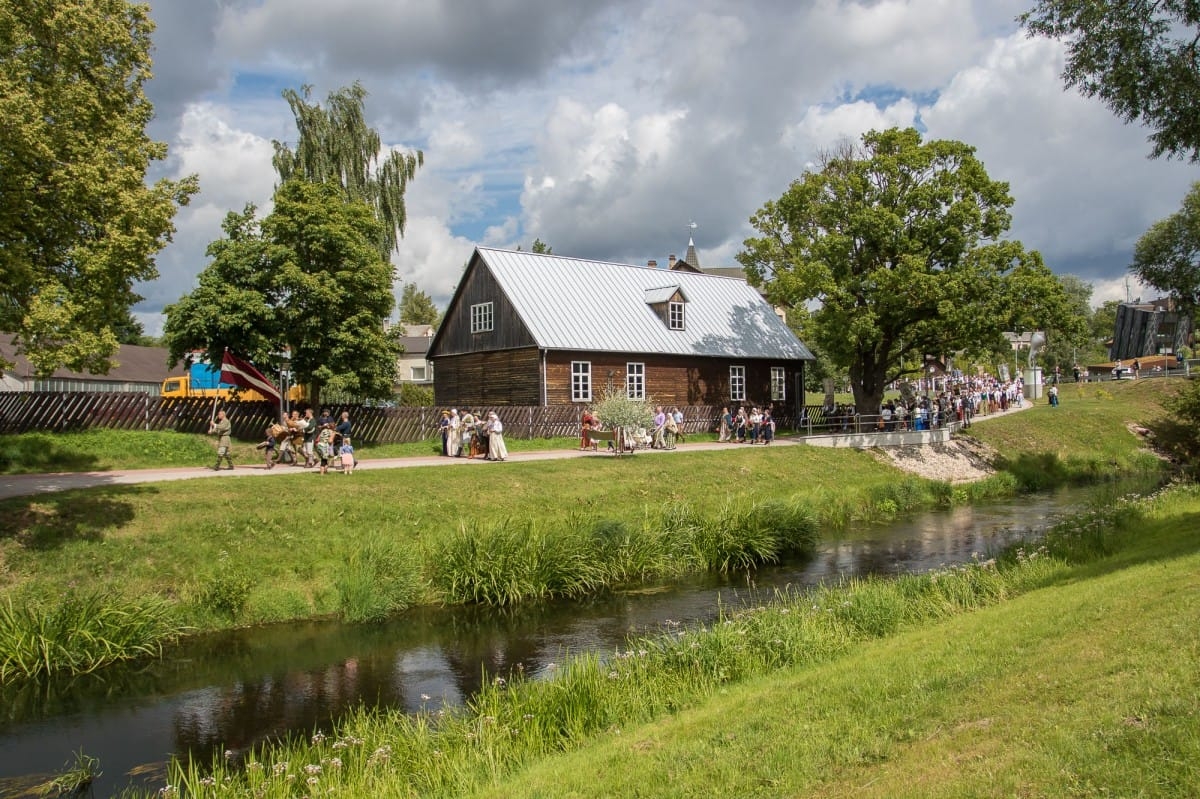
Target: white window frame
417, 374
778, 384
581, 381
676, 316
482, 317
635, 380
737, 383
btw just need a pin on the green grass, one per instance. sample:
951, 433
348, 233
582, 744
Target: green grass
1054, 671
103, 450
242, 551
1087, 437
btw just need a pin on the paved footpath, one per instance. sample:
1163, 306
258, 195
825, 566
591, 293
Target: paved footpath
20, 485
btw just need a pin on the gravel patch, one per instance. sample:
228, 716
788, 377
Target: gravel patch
961, 460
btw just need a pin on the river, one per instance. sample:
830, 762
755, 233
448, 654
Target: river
232, 691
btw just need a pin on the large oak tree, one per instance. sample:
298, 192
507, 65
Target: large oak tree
78, 224
901, 242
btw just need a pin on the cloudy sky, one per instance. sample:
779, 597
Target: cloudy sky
606, 127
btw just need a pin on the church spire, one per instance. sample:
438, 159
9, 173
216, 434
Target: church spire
692, 258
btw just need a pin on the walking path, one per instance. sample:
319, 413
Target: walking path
18, 485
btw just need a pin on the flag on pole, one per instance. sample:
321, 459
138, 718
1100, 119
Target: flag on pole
240, 373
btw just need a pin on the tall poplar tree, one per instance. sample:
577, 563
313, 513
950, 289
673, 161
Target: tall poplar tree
336, 146
78, 224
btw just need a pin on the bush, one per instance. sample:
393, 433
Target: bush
227, 589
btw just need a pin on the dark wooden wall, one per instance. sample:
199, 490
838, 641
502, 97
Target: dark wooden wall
454, 337
508, 377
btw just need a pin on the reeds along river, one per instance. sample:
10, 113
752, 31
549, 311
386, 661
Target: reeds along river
230, 692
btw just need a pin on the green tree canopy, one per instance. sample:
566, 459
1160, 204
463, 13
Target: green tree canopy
901, 243
1137, 56
416, 307
1167, 256
78, 224
309, 278
1070, 334
336, 146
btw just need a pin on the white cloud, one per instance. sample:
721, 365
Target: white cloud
603, 128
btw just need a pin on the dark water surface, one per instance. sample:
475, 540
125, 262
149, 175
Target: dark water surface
231, 691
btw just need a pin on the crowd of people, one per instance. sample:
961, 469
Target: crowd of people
472, 436
323, 442
959, 402
746, 427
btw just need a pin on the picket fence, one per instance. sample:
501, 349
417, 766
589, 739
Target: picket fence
54, 411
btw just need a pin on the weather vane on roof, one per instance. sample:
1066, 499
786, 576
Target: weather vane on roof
692, 225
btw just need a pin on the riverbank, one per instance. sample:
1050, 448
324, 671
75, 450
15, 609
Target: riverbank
1063, 668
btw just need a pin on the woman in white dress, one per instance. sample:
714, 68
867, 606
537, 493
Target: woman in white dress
496, 449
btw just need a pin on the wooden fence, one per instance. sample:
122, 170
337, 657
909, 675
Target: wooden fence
52, 411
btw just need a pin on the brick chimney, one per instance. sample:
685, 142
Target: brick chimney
670, 262
653, 264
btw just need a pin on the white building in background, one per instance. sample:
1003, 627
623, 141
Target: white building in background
411, 366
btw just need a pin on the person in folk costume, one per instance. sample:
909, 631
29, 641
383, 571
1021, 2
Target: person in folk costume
588, 423
444, 431
468, 435
496, 449
325, 445
454, 442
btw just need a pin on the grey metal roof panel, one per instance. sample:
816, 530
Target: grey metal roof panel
576, 304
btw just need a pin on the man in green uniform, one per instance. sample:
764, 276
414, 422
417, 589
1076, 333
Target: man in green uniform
221, 428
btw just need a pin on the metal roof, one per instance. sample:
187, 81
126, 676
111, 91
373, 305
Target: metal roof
576, 304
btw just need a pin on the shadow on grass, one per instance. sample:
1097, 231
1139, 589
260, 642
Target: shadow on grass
48, 521
39, 454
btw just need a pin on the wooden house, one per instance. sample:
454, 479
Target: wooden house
530, 329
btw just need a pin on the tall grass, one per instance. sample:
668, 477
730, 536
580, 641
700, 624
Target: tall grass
507, 561
79, 634
377, 580
511, 723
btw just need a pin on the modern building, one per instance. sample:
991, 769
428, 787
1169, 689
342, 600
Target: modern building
1149, 328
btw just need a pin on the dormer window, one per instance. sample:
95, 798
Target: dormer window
669, 305
675, 315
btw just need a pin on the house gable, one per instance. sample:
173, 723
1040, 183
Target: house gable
480, 318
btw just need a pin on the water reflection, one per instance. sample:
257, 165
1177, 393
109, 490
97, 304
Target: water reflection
233, 691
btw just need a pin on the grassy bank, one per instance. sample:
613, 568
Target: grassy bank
1069, 669
220, 553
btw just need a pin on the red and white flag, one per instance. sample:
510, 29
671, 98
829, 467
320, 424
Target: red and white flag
241, 374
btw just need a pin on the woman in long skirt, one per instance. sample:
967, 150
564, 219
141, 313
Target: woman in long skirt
496, 449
